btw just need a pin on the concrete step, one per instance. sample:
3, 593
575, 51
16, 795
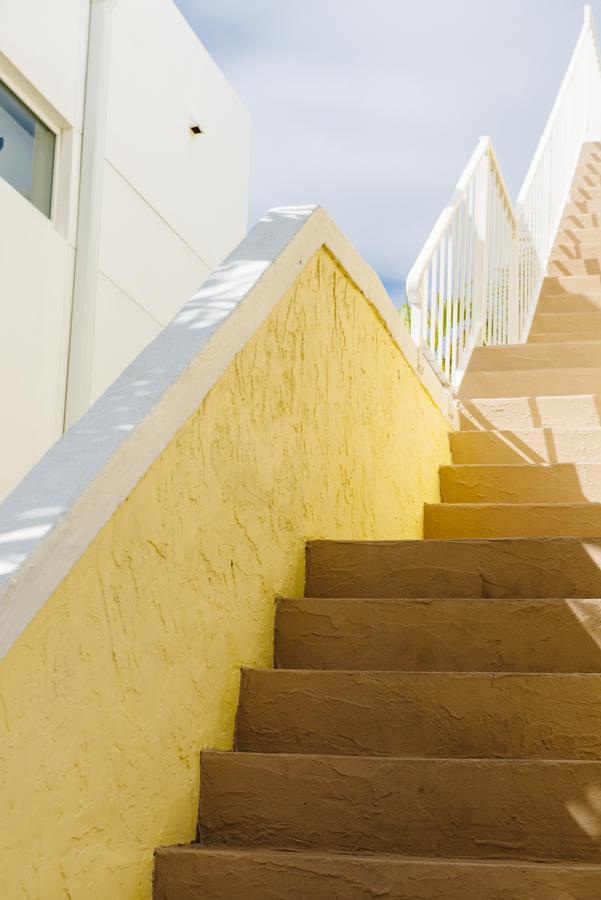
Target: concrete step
519, 357
576, 380
431, 714
569, 337
582, 206
589, 167
582, 285
536, 445
439, 634
578, 235
565, 322
514, 483
590, 153
585, 193
583, 265
587, 176
568, 303
534, 810
539, 567
518, 413
579, 249
490, 520
576, 220
542, 368
192, 873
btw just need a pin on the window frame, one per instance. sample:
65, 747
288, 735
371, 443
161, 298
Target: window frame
27, 96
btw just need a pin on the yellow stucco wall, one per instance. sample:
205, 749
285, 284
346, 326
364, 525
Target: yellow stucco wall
317, 429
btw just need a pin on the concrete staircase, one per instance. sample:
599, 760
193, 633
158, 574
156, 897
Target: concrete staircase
432, 728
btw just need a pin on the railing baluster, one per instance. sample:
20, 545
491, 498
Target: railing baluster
478, 277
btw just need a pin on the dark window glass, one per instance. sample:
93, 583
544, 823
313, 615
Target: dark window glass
26, 151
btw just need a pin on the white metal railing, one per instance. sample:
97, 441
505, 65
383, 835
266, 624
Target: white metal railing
479, 274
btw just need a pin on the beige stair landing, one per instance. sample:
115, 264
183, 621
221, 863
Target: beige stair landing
433, 727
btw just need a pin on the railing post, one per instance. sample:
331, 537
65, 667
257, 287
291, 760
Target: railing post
480, 296
416, 320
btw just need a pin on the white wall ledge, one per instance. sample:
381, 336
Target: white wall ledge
50, 518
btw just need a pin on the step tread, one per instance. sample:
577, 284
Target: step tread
217, 873
521, 507
521, 482
528, 467
505, 520
536, 356
396, 858
528, 412
572, 337
569, 381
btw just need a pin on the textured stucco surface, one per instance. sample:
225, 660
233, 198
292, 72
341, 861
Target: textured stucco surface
421, 714
318, 429
468, 808
185, 874
451, 634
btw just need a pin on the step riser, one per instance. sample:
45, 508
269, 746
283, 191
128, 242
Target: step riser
520, 484
562, 323
590, 154
519, 413
455, 522
585, 266
420, 715
585, 178
586, 207
586, 168
185, 873
534, 383
533, 446
585, 193
580, 220
578, 235
517, 358
451, 808
430, 635
583, 285
568, 303
570, 337
503, 568
576, 252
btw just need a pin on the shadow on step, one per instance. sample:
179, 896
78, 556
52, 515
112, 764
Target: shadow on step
562, 267
550, 429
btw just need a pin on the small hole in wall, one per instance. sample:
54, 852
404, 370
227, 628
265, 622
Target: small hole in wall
196, 129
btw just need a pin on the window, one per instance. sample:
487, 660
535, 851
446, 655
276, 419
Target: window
26, 151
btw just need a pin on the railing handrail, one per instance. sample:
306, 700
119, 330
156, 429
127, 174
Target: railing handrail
555, 109
478, 276
483, 147
412, 283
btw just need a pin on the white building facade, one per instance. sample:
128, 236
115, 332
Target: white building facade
124, 158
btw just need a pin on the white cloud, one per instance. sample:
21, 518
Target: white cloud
372, 109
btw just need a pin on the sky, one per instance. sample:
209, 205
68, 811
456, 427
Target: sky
371, 108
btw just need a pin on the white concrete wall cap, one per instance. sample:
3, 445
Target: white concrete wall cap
47, 522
